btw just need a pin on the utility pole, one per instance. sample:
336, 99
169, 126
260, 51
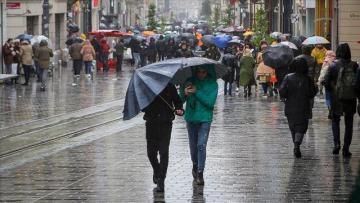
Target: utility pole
45, 18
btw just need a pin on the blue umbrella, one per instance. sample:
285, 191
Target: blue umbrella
316, 40
24, 37
222, 41
149, 81
208, 39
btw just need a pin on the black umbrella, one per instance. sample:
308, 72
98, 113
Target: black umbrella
278, 56
73, 40
149, 81
187, 35
26, 37
208, 39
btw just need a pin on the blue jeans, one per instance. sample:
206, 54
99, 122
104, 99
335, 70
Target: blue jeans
198, 137
137, 60
227, 88
328, 98
88, 67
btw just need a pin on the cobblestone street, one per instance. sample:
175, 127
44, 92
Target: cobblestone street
249, 157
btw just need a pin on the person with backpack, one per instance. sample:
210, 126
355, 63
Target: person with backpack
298, 89
340, 80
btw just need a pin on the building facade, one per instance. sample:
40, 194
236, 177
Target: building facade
2, 31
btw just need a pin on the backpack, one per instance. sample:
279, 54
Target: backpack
346, 82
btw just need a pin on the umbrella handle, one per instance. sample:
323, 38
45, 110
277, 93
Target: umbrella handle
172, 108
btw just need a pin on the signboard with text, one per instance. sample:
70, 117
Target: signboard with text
96, 3
13, 5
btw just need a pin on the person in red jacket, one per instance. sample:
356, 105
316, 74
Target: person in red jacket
104, 54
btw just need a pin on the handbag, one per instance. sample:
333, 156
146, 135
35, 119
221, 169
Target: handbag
14, 68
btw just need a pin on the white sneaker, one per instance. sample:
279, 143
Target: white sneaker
237, 89
89, 76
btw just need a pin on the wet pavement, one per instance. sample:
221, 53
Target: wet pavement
249, 152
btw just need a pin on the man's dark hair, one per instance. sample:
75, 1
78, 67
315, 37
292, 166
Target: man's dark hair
343, 52
299, 65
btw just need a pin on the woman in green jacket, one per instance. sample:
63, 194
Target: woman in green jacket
200, 94
247, 78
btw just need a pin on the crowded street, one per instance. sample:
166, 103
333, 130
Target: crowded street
180, 101
249, 152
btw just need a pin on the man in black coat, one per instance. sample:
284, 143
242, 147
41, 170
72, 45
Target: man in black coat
159, 116
298, 89
184, 51
161, 47
341, 106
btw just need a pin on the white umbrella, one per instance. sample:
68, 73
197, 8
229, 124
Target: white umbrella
39, 38
316, 40
289, 44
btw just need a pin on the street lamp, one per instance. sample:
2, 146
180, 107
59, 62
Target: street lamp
45, 18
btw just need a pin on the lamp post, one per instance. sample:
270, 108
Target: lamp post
45, 18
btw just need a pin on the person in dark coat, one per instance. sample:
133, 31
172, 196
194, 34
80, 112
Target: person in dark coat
341, 106
171, 49
230, 61
152, 51
159, 116
212, 53
298, 89
184, 51
119, 51
310, 60
161, 48
135, 51
143, 53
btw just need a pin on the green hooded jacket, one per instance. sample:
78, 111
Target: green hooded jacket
200, 105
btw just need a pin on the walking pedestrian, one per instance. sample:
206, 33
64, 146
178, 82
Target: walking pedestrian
212, 53
35, 46
298, 89
247, 79
8, 54
96, 45
88, 55
152, 51
42, 56
263, 72
199, 93
329, 58
184, 51
26, 55
230, 61
119, 51
171, 49
340, 80
159, 116
143, 53
75, 53
17, 61
135, 51
319, 53
161, 47
104, 54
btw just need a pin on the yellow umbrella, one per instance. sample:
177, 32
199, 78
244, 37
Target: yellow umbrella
83, 36
248, 33
148, 33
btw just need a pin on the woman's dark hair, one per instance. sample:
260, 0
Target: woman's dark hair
343, 52
9, 40
306, 49
263, 42
299, 65
43, 43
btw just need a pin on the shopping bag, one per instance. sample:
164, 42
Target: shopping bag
14, 68
127, 54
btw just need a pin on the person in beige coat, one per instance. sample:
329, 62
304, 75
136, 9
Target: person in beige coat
88, 54
26, 55
43, 55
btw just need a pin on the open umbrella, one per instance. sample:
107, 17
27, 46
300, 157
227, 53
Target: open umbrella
148, 33
247, 33
236, 41
208, 39
24, 37
275, 35
278, 56
289, 44
187, 35
38, 38
316, 40
149, 81
222, 41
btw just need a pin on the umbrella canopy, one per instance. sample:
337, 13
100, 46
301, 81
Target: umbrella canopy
149, 81
275, 35
148, 33
297, 41
248, 33
38, 38
232, 29
208, 39
278, 56
187, 35
316, 40
73, 40
236, 41
222, 41
289, 44
24, 37
109, 33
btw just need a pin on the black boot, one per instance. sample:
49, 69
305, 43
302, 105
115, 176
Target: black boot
346, 152
200, 178
336, 149
160, 185
297, 152
194, 171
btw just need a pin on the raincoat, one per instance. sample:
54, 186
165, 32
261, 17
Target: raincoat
200, 105
247, 65
319, 55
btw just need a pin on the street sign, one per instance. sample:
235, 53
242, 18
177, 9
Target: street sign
13, 5
96, 3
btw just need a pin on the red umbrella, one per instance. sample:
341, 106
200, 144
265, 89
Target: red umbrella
109, 33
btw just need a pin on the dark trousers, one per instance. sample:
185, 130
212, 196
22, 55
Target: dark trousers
119, 62
77, 65
298, 128
161, 55
349, 120
158, 140
27, 72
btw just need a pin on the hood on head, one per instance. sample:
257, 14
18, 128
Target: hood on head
210, 69
299, 65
